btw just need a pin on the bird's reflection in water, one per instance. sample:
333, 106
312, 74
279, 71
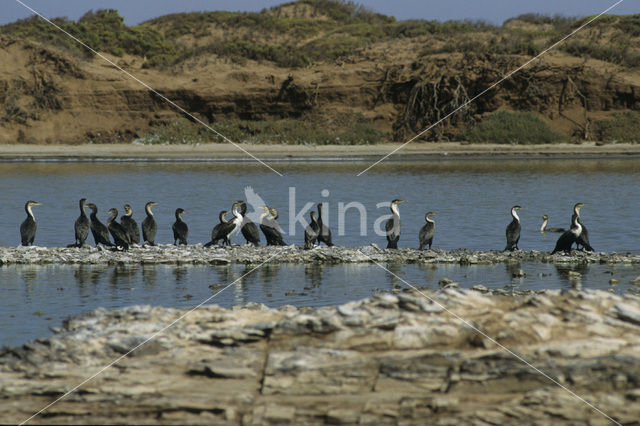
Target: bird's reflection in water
123, 274
431, 274
82, 274
571, 274
149, 275
180, 273
394, 272
313, 273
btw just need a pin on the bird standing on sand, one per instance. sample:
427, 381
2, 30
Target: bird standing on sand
569, 237
311, 232
130, 225
249, 229
270, 227
119, 234
426, 232
81, 226
98, 229
583, 239
393, 225
324, 233
180, 229
513, 230
149, 225
29, 226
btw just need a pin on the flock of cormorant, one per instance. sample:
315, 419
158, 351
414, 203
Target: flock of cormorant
126, 233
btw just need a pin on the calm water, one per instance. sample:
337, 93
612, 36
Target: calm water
35, 298
472, 199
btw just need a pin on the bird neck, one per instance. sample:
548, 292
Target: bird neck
576, 228
148, 210
544, 225
394, 210
514, 214
428, 219
112, 218
263, 216
29, 212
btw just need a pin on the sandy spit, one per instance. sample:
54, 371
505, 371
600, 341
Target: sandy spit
229, 151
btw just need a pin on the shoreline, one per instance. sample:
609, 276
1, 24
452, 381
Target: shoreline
168, 254
413, 151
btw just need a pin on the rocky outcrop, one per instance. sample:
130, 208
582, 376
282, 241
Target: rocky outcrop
392, 358
247, 254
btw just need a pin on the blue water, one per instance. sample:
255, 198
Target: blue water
472, 199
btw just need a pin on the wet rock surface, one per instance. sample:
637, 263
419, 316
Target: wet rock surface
389, 359
246, 254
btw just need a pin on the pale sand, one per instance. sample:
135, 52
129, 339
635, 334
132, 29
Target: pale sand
369, 152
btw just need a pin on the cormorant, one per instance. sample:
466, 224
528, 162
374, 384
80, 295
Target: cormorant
393, 225
119, 234
216, 232
569, 237
513, 230
249, 229
426, 232
270, 227
324, 235
28, 226
543, 227
149, 226
227, 229
81, 226
311, 232
130, 225
583, 239
180, 229
98, 229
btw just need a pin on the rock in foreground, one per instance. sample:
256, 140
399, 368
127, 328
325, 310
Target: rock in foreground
388, 359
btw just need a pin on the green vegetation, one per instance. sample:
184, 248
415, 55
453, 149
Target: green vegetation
346, 129
301, 33
510, 127
103, 31
623, 127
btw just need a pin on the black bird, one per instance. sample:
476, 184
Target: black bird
311, 232
216, 232
82, 225
119, 234
130, 225
569, 237
324, 235
180, 229
227, 229
98, 229
513, 230
583, 239
393, 225
28, 226
149, 226
426, 232
543, 227
249, 229
270, 227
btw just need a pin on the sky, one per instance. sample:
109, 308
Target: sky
494, 11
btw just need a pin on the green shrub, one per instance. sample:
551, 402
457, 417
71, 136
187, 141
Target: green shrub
623, 127
511, 127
